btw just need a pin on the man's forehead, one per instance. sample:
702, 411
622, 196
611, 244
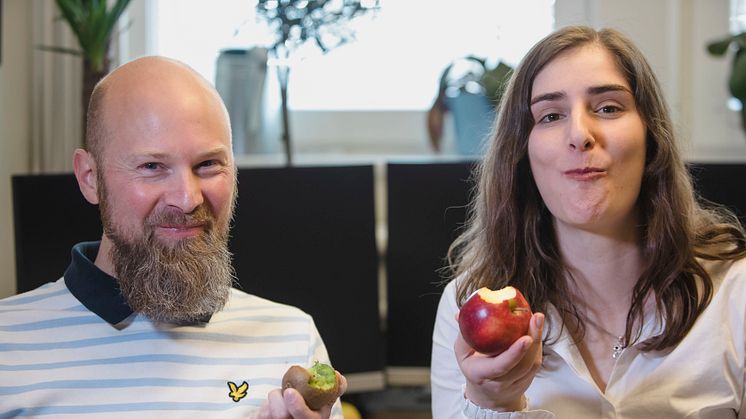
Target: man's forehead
167, 152
154, 105
151, 68
152, 81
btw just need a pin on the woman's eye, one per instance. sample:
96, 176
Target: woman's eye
550, 117
609, 109
150, 166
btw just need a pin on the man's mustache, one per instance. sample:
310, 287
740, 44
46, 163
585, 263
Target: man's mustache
201, 216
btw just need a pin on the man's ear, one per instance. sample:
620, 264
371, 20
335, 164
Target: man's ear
85, 172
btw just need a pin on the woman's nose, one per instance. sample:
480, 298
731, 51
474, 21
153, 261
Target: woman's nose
581, 136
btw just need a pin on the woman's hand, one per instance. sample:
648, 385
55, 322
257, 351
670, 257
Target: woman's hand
499, 382
288, 403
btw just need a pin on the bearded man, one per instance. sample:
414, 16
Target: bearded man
145, 322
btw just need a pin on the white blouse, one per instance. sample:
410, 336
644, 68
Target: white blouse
702, 377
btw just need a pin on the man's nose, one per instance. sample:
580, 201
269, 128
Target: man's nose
581, 136
185, 191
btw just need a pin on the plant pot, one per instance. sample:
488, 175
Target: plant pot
473, 117
239, 79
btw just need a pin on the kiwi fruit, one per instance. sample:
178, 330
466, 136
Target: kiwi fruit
318, 385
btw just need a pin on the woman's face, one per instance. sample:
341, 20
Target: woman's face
587, 146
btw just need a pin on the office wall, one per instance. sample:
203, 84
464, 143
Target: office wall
14, 123
673, 34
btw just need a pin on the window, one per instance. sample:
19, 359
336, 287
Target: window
737, 25
737, 16
393, 66
194, 31
395, 62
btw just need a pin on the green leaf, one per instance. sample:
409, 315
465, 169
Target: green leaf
494, 81
740, 40
92, 22
73, 13
116, 13
737, 82
719, 48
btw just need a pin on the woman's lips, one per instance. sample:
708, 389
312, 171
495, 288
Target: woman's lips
585, 173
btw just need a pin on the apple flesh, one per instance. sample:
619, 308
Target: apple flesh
490, 321
318, 385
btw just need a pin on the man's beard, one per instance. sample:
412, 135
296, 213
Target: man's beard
181, 282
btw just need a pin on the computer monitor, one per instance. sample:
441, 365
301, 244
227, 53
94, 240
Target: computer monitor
50, 215
303, 236
722, 183
426, 208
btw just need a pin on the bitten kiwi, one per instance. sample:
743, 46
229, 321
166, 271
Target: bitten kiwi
318, 385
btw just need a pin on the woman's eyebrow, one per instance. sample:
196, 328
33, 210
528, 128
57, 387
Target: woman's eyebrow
596, 90
593, 90
547, 97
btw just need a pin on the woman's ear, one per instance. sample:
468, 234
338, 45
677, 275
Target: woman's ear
85, 168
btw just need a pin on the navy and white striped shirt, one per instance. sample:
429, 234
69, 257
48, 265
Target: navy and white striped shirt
74, 348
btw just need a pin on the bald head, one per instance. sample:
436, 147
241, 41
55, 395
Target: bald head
141, 93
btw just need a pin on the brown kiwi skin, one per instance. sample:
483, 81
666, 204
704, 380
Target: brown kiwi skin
297, 377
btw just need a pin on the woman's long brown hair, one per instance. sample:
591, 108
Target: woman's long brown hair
509, 238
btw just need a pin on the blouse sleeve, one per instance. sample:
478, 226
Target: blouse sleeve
446, 379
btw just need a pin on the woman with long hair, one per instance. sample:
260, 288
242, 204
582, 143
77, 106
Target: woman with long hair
585, 205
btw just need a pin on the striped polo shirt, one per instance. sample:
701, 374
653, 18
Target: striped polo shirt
74, 348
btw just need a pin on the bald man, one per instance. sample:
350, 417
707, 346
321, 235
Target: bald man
145, 322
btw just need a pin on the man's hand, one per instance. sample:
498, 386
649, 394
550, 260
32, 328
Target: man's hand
289, 404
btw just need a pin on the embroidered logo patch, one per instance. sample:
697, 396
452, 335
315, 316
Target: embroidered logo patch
237, 392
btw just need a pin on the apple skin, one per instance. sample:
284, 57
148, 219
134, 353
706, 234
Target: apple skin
490, 327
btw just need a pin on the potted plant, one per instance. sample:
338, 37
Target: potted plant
472, 96
296, 22
92, 22
737, 79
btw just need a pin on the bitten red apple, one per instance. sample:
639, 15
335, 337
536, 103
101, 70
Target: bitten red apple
490, 321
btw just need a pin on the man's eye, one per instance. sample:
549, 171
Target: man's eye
208, 163
150, 166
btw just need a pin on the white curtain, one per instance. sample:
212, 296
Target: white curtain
56, 92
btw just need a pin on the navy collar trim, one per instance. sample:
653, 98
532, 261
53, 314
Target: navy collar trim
97, 290
94, 288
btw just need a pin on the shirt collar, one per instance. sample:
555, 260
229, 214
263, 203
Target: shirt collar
97, 290
94, 288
